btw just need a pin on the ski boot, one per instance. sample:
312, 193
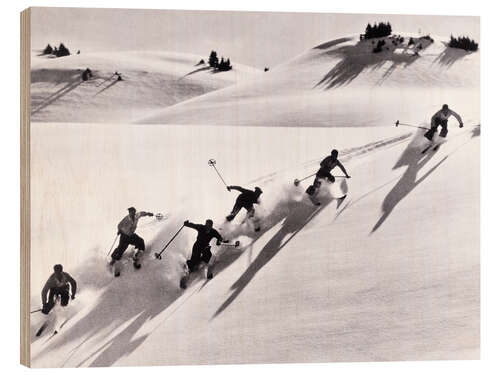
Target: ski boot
429, 134
137, 259
114, 267
210, 272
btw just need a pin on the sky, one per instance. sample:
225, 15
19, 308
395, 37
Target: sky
257, 39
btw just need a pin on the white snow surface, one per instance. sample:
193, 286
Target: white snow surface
343, 83
392, 273
389, 273
152, 80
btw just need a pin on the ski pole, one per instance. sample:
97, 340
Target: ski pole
34, 311
296, 182
397, 123
158, 255
212, 163
236, 244
111, 248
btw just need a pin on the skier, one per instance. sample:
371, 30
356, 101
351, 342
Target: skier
87, 74
126, 230
201, 248
324, 173
441, 118
57, 286
245, 200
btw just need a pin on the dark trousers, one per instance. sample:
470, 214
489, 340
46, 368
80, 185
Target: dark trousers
237, 207
53, 294
125, 241
429, 134
324, 174
320, 175
200, 254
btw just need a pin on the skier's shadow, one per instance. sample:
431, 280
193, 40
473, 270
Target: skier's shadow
300, 215
44, 103
142, 296
413, 158
107, 87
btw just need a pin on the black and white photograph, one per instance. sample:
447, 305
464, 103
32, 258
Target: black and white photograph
244, 187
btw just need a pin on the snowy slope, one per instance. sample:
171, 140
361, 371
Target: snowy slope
343, 83
151, 80
392, 273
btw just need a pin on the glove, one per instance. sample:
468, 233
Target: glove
186, 222
150, 214
45, 309
218, 242
228, 188
73, 296
347, 176
461, 125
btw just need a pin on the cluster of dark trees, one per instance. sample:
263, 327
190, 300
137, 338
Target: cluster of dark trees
463, 42
221, 65
378, 30
56, 51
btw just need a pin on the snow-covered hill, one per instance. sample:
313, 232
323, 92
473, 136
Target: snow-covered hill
151, 81
389, 273
343, 83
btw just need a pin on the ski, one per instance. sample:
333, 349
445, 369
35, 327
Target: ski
434, 147
427, 148
56, 331
41, 329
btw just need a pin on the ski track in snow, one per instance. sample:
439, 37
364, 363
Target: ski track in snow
284, 207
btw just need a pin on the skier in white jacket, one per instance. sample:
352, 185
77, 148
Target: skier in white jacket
126, 230
441, 118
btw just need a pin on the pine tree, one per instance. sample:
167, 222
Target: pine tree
389, 29
48, 50
368, 31
213, 60
62, 51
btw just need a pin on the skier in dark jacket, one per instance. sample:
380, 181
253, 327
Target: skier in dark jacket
87, 74
56, 286
324, 172
326, 166
441, 118
245, 200
201, 248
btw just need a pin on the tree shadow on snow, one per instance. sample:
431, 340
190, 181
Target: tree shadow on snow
356, 58
300, 215
450, 56
197, 71
414, 160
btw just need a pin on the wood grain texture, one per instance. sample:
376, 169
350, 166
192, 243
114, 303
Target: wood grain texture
25, 187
